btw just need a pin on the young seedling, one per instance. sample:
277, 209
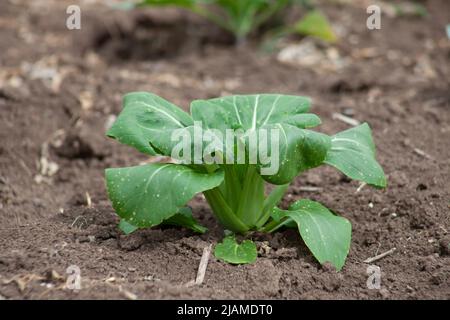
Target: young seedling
229, 149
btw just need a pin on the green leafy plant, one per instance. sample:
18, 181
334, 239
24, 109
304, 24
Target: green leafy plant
241, 17
152, 194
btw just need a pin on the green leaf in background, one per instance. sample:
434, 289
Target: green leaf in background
147, 121
239, 17
185, 219
126, 5
326, 235
315, 24
180, 3
146, 195
407, 9
232, 252
353, 152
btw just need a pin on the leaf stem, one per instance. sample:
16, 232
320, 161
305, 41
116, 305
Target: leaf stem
273, 226
251, 198
271, 201
223, 211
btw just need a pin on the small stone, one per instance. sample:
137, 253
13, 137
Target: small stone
129, 295
305, 265
264, 248
349, 112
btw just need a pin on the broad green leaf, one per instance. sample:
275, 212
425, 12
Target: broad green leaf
232, 252
353, 152
326, 235
146, 123
315, 24
185, 219
299, 150
248, 111
296, 149
146, 195
303, 121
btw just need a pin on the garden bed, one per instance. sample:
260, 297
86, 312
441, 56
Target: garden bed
60, 89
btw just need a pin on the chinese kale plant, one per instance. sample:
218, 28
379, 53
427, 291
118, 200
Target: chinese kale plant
157, 193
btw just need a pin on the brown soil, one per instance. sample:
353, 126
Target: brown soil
400, 87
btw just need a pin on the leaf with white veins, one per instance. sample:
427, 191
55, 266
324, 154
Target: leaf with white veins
353, 152
146, 195
326, 235
281, 117
147, 121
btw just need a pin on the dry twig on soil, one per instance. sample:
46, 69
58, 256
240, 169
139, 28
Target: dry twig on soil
380, 256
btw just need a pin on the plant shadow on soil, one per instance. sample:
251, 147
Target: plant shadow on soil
53, 219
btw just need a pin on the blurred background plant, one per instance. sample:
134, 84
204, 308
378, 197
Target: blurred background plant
244, 17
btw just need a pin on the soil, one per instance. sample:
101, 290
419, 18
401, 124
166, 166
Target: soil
60, 89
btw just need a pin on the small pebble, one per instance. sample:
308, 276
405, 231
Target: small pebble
349, 112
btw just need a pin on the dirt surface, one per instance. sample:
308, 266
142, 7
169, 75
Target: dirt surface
60, 89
